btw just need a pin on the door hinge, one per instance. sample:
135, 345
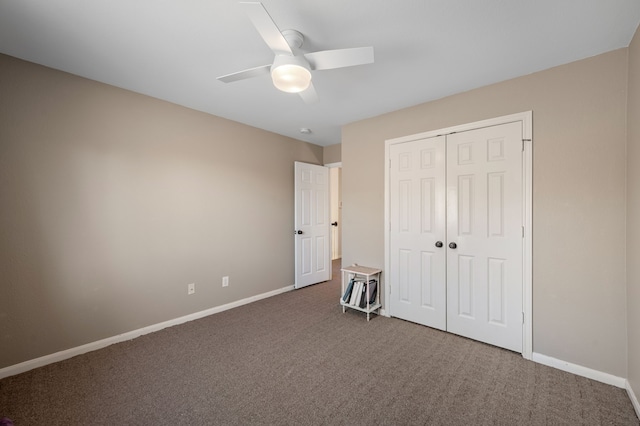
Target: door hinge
523, 317
523, 232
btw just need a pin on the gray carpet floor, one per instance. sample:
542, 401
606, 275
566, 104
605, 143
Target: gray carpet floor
296, 359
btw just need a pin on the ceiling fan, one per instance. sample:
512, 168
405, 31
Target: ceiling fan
291, 69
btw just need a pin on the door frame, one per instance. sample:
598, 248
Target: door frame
526, 118
337, 165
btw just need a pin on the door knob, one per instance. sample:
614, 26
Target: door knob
297, 232
334, 224
453, 245
438, 244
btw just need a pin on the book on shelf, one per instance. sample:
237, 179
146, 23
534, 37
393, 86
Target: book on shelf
354, 293
373, 291
358, 293
369, 293
363, 296
347, 294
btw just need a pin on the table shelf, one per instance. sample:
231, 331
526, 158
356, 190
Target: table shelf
363, 274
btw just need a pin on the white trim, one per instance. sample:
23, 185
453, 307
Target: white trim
633, 398
334, 165
387, 230
337, 165
79, 350
526, 118
527, 253
579, 370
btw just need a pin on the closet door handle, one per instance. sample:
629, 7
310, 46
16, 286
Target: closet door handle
453, 245
438, 244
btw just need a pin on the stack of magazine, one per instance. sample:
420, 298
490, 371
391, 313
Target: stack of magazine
356, 293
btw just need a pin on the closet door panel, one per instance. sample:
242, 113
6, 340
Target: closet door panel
417, 220
484, 235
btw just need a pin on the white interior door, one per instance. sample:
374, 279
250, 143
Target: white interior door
485, 235
417, 209
311, 229
472, 285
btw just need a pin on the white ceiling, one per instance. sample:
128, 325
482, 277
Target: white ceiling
424, 50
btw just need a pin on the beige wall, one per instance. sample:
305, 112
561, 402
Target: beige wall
579, 131
332, 154
633, 216
112, 202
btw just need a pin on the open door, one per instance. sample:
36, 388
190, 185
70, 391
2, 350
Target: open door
311, 229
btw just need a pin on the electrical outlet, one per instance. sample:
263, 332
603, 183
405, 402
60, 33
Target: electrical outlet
225, 281
191, 288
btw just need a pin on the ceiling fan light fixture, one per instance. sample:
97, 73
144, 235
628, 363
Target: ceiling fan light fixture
290, 74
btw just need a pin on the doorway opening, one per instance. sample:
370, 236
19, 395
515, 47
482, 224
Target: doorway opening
335, 202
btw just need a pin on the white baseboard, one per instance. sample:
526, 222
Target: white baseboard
579, 370
633, 398
69, 353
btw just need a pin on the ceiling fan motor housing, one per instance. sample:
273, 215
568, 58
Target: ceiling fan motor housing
294, 38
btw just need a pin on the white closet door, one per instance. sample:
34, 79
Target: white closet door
484, 224
417, 209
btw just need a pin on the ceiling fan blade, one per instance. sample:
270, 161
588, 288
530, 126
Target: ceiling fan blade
267, 28
242, 75
309, 95
340, 58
